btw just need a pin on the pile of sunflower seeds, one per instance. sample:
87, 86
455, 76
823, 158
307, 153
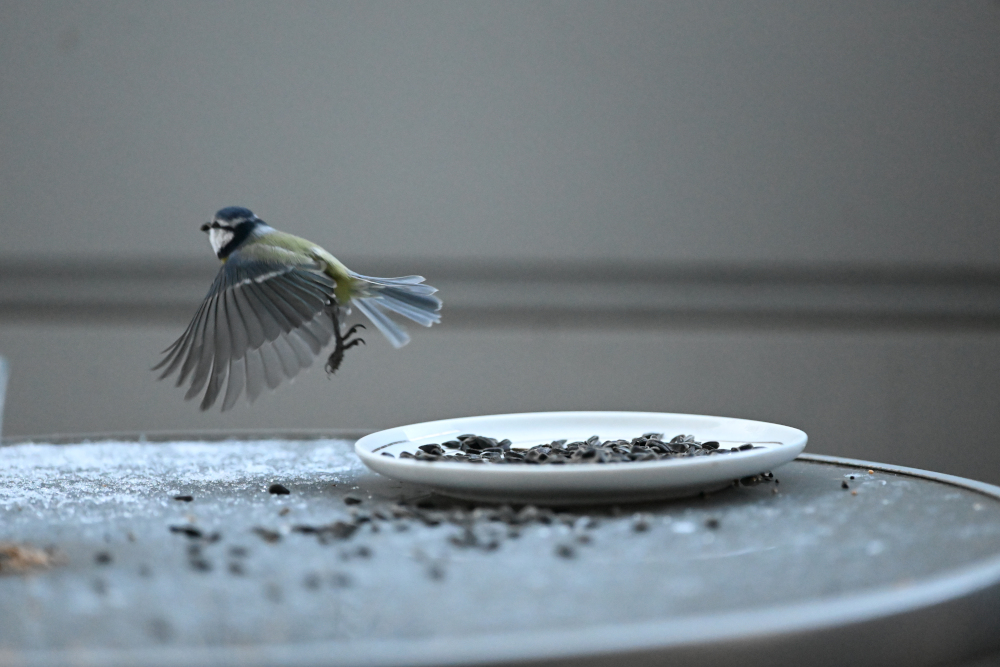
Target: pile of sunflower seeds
471, 448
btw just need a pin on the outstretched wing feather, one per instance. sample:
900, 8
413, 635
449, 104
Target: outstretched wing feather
251, 325
254, 367
223, 352
259, 323
260, 311
237, 379
193, 352
239, 341
272, 366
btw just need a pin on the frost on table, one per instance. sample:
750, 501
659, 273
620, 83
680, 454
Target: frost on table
244, 567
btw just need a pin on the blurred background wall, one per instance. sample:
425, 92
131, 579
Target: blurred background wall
786, 211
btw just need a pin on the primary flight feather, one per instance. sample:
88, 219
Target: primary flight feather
274, 305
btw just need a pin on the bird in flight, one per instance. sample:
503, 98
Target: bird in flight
274, 305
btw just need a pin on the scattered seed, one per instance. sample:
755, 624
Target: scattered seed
269, 536
189, 531
565, 550
201, 565
339, 530
285, 511
352, 500
844, 485
854, 493
712, 523
236, 568
467, 538
185, 499
278, 490
102, 558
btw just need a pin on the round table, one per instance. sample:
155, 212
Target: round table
186, 550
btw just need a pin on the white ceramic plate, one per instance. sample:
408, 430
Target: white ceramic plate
582, 483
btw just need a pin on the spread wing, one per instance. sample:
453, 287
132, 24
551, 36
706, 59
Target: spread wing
261, 320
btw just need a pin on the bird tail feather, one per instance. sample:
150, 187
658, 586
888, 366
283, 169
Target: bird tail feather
406, 296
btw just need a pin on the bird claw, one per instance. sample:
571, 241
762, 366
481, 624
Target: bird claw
344, 342
350, 332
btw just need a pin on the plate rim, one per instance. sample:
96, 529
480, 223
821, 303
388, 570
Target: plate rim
360, 446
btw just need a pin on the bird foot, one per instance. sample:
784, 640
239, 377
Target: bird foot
344, 342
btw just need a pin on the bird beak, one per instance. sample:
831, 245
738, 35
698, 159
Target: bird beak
207, 226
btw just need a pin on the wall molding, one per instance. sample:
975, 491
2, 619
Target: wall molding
552, 293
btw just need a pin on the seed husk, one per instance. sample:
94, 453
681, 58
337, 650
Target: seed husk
189, 531
200, 565
269, 536
649, 447
565, 550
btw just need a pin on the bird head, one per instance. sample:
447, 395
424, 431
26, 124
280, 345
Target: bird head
229, 228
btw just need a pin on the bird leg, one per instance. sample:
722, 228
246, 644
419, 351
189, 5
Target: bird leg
344, 342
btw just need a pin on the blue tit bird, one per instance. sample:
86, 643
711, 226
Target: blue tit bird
275, 304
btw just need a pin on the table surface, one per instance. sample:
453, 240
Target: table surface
899, 566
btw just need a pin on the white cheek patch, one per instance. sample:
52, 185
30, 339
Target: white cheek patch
219, 238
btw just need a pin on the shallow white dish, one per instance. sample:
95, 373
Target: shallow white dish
582, 483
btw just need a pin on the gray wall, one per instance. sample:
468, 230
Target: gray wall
782, 211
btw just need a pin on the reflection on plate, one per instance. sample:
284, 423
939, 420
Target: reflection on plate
582, 483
